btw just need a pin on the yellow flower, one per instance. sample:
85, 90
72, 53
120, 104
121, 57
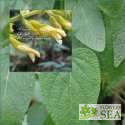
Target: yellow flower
55, 33
36, 24
54, 22
29, 26
45, 30
65, 23
32, 53
11, 27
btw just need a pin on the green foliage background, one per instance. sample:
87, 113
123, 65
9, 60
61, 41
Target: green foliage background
98, 61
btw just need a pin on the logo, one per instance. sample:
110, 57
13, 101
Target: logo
99, 111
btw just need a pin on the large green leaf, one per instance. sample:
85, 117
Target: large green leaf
111, 8
87, 23
16, 92
111, 75
115, 9
37, 114
20, 4
4, 10
42, 4
119, 39
63, 92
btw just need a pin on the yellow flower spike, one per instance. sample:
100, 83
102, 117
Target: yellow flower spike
49, 29
54, 22
36, 23
55, 33
29, 26
44, 30
65, 23
24, 48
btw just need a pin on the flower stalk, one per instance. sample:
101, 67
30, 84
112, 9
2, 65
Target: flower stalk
26, 15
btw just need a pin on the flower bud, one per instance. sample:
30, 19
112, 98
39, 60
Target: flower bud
24, 48
65, 23
36, 24
55, 33
44, 30
29, 26
54, 22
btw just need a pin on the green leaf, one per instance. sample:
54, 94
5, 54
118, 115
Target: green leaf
87, 23
110, 75
16, 92
111, 8
119, 39
20, 4
59, 4
37, 114
42, 4
63, 92
49, 121
4, 10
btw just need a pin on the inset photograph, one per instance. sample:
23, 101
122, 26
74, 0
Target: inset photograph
40, 40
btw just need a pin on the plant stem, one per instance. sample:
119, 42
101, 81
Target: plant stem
18, 17
59, 4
